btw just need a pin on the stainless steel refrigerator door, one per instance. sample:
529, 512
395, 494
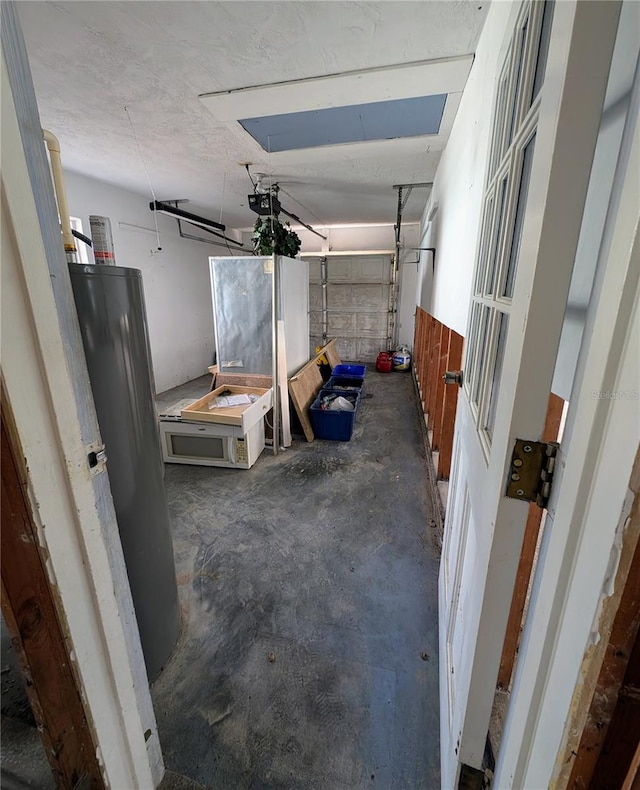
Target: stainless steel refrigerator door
242, 308
112, 316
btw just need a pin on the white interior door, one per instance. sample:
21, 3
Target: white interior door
547, 112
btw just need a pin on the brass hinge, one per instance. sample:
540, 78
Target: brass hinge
531, 471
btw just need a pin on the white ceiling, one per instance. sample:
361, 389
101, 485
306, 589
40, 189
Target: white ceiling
90, 59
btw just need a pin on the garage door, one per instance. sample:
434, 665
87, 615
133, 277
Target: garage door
357, 307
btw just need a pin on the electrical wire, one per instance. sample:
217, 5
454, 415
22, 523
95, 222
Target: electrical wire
271, 218
253, 183
295, 200
224, 186
144, 165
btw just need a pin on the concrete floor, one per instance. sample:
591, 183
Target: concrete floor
308, 584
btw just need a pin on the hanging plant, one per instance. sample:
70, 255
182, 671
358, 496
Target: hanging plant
270, 237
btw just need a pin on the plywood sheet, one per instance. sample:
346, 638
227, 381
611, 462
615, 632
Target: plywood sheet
303, 390
331, 352
306, 383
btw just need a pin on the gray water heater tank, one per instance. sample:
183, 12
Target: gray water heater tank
112, 316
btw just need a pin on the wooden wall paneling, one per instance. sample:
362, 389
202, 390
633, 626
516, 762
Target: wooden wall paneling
424, 328
423, 344
423, 355
440, 387
433, 386
512, 635
425, 364
417, 347
416, 332
429, 368
429, 372
36, 631
527, 557
449, 408
429, 377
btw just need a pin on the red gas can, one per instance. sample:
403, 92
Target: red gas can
384, 362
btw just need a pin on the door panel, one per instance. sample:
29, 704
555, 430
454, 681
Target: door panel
358, 293
541, 155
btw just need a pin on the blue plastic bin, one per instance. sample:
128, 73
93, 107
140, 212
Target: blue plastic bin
355, 371
336, 426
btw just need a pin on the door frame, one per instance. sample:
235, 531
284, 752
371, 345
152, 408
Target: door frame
71, 504
38, 629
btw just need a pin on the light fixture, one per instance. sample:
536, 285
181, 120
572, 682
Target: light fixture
170, 210
211, 226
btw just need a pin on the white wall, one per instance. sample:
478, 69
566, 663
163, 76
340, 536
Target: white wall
176, 279
458, 186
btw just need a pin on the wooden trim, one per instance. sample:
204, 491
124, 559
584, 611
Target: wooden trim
423, 357
37, 635
428, 400
527, 557
632, 779
445, 334
242, 380
433, 378
417, 347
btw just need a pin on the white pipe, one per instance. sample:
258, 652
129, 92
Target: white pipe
53, 147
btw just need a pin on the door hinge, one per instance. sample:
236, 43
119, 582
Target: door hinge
531, 471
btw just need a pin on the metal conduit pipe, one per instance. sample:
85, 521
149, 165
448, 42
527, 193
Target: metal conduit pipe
53, 146
275, 285
324, 283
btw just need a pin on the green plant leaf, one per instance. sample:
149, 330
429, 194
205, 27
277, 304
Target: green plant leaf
270, 235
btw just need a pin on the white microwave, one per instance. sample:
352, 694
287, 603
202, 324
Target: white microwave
211, 444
